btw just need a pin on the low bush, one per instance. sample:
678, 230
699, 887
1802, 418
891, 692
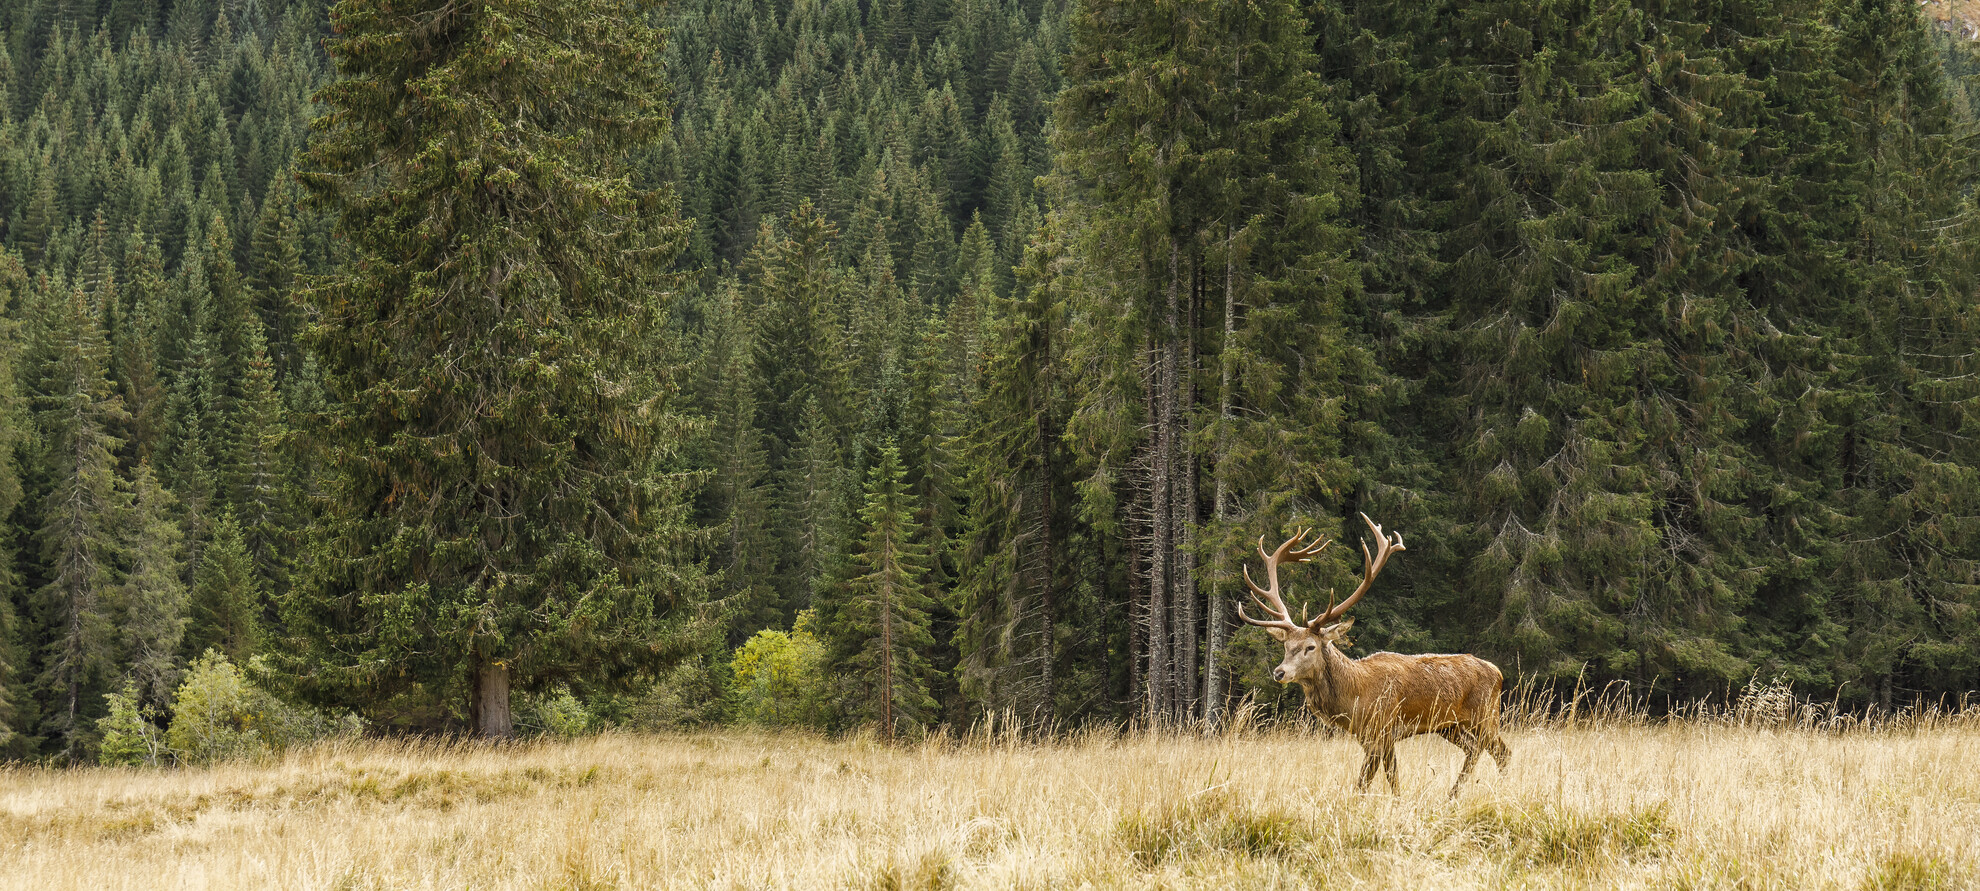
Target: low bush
219, 714
555, 713
689, 695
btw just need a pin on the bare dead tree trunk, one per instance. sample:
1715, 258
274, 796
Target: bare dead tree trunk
1047, 562
1139, 586
1160, 660
1183, 504
1213, 682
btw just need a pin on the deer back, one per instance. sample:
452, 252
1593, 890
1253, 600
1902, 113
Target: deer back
1404, 695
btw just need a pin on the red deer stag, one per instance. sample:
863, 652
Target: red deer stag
1384, 697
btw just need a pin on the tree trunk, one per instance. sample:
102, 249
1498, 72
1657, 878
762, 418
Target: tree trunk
886, 662
1183, 500
1047, 562
488, 705
1213, 683
1157, 543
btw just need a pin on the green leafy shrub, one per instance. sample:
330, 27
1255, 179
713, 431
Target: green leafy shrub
780, 678
219, 714
557, 713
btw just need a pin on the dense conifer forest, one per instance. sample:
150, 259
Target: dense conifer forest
894, 363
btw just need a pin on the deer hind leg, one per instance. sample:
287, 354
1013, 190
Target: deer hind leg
1389, 768
1469, 742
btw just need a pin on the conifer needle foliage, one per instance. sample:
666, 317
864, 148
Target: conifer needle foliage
497, 425
438, 349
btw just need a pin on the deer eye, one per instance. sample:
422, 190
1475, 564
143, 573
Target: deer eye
1311, 647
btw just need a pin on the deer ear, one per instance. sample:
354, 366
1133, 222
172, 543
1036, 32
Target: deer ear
1278, 634
1334, 631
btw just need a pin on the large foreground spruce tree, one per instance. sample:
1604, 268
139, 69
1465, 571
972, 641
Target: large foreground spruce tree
500, 516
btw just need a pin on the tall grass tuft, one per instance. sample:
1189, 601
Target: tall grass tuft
1214, 824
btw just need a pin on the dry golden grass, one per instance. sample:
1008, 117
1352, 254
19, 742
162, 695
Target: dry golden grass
1691, 805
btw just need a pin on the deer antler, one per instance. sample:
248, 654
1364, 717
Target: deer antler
1296, 549
1371, 567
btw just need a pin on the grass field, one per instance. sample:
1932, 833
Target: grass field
1631, 804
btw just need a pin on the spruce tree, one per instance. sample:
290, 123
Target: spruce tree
226, 602
256, 478
746, 554
14, 655
815, 491
152, 607
275, 261
134, 351
878, 617
1012, 580
797, 304
497, 504
81, 515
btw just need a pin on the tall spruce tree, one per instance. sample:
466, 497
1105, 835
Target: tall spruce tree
255, 476
1905, 571
1014, 572
498, 416
745, 553
14, 656
797, 304
81, 516
877, 619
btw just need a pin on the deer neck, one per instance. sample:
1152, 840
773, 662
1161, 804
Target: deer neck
1331, 689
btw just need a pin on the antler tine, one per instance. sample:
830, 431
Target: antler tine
1268, 599
1305, 552
1372, 567
1263, 623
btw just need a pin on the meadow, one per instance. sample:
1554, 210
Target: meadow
1697, 803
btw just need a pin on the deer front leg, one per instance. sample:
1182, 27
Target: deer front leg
1371, 761
1389, 765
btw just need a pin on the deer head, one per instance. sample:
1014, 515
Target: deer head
1303, 640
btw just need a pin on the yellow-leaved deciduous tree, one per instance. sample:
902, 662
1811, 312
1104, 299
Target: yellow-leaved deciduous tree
779, 677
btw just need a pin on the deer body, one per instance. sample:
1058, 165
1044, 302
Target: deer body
1383, 697
1387, 697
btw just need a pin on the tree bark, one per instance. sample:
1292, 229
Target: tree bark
1213, 684
488, 706
1047, 563
1182, 498
1157, 542
887, 661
